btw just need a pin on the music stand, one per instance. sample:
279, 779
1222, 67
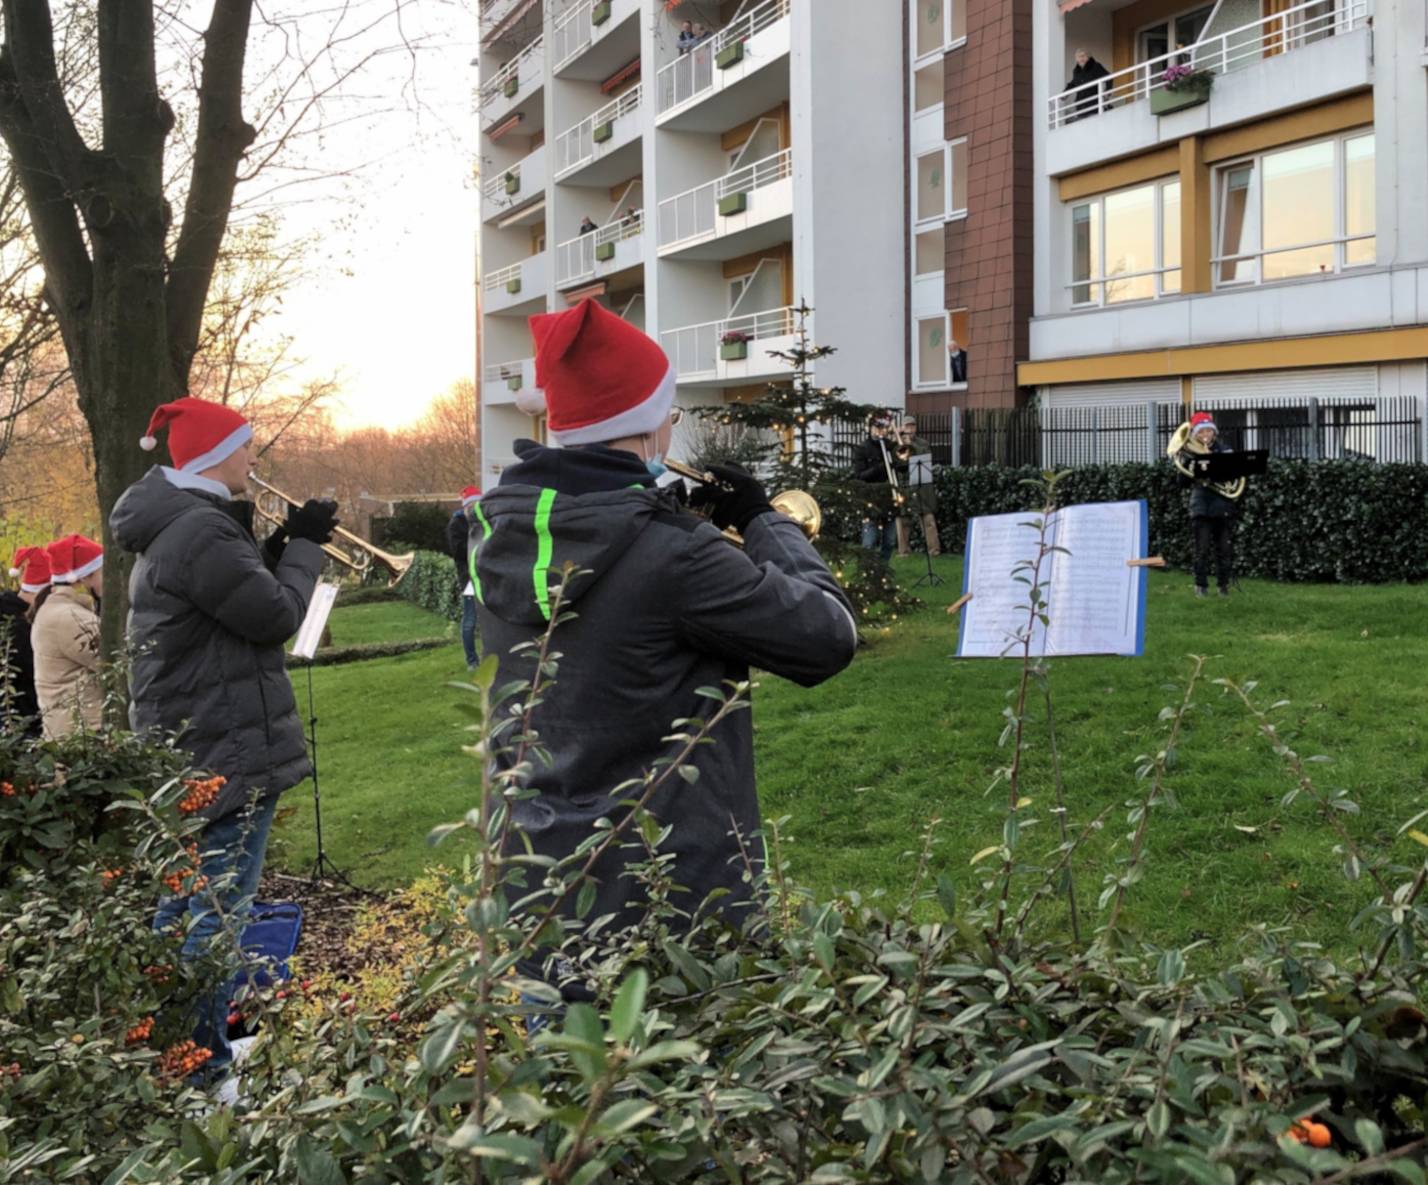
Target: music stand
920, 474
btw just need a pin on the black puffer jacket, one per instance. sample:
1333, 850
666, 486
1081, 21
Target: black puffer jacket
19, 702
458, 536
664, 607
207, 624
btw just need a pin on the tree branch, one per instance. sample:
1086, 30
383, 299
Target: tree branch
30, 51
223, 137
136, 119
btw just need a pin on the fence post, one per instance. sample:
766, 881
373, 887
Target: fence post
1316, 444
954, 429
1152, 429
1422, 428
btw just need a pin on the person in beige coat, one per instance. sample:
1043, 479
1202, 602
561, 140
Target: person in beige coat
64, 634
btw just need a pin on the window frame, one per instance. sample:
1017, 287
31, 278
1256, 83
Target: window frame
945, 383
948, 214
948, 41
1252, 248
1097, 282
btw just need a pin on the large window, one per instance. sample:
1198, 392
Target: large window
935, 336
1301, 211
1126, 245
942, 183
937, 25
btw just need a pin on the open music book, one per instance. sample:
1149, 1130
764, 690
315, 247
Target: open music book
309, 635
1095, 601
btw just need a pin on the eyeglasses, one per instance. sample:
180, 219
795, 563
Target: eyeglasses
676, 417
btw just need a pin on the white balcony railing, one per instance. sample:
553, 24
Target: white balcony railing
576, 259
497, 83
499, 372
692, 73
1234, 49
576, 146
694, 349
495, 187
694, 213
501, 277
572, 34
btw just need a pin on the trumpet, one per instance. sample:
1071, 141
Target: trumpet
1187, 455
358, 554
798, 505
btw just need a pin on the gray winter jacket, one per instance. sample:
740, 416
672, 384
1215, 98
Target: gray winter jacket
207, 623
666, 607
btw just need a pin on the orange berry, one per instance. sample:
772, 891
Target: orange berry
7, 790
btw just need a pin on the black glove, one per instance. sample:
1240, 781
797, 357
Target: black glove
735, 501
273, 548
313, 520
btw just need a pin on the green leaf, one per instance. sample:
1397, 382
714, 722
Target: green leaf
519, 1149
1367, 1132
629, 1004
316, 1165
624, 1115
666, 1051
947, 896
438, 1051
1039, 1129
1157, 1119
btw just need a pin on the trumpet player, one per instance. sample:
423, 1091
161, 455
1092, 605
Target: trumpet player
1212, 515
209, 613
662, 605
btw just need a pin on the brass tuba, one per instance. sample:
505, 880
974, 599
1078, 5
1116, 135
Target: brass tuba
798, 505
1188, 456
355, 553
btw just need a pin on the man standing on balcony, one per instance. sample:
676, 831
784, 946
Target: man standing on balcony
1090, 100
587, 227
687, 38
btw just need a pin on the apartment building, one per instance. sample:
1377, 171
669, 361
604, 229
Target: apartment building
702, 192
1250, 237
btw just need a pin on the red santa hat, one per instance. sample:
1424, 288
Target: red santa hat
603, 378
201, 434
470, 496
32, 566
73, 558
1202, 419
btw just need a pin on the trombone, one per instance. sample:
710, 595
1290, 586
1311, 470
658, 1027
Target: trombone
358, 554
798, 505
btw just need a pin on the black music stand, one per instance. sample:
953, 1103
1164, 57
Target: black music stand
323, 867
925, 475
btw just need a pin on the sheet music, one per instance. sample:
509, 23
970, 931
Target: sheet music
1095, 602
919, 469
309, 634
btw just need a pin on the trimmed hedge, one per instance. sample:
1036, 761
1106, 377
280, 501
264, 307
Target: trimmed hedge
338, 655
368, 594
1347, 521
431, 584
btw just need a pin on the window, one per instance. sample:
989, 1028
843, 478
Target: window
931, 251
1158, 40
1301, 211
938, 24
932, 351
942, 183
928, 88
1126, 245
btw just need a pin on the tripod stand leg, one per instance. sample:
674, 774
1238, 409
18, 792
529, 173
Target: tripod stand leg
322, 863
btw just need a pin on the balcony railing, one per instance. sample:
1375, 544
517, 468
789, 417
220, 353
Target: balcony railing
510, 71
494, 187
694, 213
575, 259
499, 372
575, 147
692, 73
1220, 54
572, 33
500, 277
694, 349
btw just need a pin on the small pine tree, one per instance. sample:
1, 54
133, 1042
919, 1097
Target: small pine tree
796, 422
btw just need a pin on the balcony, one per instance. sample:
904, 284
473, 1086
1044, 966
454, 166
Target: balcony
702, 358
512, 384
584, 49
603, 148
512, 84
509, 190
1292, 59
513, 21
739, 72
587, 257
743, 211
519, 288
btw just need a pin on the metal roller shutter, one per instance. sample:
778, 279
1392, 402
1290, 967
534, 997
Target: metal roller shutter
1290, 386
1105, 394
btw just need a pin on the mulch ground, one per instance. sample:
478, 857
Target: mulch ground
329, 915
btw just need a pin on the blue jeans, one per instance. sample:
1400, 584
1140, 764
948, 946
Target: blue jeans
468, 629
879, 537
232, 850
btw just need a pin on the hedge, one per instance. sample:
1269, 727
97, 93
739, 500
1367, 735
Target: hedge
1347, 521
431, 583
338, 655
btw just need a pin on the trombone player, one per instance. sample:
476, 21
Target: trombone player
209, 613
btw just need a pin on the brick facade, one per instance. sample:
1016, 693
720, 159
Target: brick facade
989, 253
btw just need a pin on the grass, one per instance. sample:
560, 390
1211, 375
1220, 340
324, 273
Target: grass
386, 621
862, 763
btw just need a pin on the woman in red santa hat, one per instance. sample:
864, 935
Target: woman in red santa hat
64, 632
1212, 515
18, 706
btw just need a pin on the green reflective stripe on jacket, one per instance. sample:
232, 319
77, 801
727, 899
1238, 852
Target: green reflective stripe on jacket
471, 557
544, 547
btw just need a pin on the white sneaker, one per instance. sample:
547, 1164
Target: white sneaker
229, 1092
242, 1049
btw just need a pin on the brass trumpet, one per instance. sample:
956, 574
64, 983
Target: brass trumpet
1187, 455
798, 505
359, 556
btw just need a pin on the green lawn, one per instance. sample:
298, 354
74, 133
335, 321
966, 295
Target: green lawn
386, 621
861, 763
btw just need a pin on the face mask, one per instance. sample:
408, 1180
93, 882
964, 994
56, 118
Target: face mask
656, 465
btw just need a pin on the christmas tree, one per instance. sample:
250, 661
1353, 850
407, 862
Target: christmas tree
795, 420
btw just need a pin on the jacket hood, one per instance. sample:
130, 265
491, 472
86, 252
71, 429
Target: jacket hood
555, 507
148, 506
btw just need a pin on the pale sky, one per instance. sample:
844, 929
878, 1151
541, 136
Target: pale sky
391, 308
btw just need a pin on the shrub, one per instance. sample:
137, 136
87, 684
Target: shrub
420, 526
431, 583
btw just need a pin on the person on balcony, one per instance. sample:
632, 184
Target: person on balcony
632, 215
687, 38
956, 361
1088, 100
587, 227
701, 34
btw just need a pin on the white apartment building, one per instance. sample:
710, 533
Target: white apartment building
702, 194
1263, 243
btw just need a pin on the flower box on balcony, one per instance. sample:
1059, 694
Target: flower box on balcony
1184, 86
604, 251
600, 13
513, 383
603, 131
513, 285
513, 183
730, 55
733, 203
733, 351
512, 85
1163, 102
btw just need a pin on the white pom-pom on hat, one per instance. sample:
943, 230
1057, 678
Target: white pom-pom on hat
148, 443
14, 571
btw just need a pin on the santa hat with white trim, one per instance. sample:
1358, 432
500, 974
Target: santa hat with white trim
603, 378
201, 434
73, 558
32, 566
1202, 419
469, 497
